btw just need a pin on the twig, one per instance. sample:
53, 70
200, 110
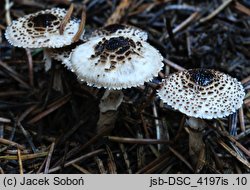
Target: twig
111, 161
1, 170
157, 125
12, 93
242, 8
81, 26
158, 165
4, 120
46, 169
126, 159
216, 11
13, 151
153, 149
100, 165
188, 42
20, 161
28, 137
119, 12
11, 143
50, 86
181, 127
137, 141
174, 65
1, 130
25, 157
241, 118
232, 124
41, 166
81, 169
66, 19
233, 153
247, 102
242, 134
160, 159
246, 80
247, 152
183, 25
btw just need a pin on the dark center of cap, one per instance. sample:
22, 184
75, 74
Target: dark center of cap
118, 45
201, 77
114, 27
115, 43
43, 20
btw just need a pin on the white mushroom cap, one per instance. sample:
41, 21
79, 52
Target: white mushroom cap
41, 29
202, 93
120, 30
116, 62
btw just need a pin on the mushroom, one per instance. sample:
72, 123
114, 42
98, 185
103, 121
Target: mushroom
201, 94
115, 58
41, 29
116, 62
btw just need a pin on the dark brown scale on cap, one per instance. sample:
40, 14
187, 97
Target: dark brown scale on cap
119, 58
42, 21
112, 45
201, 77
116, 43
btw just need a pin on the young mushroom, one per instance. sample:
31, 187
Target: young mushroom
201, 93
41, 29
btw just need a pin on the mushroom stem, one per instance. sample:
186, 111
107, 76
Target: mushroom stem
196, 144
66, 19
47, 59
8, 5
109, 104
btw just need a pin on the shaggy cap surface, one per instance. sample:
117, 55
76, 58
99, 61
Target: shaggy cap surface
116, 62
41, 29
202, 93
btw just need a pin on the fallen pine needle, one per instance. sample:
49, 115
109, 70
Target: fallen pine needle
25, 157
